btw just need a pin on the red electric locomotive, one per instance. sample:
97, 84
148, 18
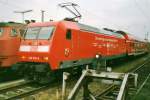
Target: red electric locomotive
10, 37
51, 46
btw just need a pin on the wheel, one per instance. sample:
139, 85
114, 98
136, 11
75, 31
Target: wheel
28, 77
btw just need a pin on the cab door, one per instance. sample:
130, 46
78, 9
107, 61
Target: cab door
69, 44
71, 47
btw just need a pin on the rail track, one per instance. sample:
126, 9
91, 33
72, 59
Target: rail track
111, 92
21, 88
143, 74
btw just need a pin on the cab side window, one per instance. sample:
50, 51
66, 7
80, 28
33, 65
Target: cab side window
1, 31
13, 33
68, 34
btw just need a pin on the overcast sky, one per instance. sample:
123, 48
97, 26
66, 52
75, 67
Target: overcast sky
129, 15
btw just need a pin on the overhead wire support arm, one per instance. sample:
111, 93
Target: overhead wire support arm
79, 15
23, 12
70, 10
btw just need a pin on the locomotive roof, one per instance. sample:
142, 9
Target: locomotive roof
66, 24
40, 24
99, 31
76, 25
3, 24
88, 28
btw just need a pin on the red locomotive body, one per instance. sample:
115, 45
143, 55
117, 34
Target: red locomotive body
9, 43
50, 46
56, 43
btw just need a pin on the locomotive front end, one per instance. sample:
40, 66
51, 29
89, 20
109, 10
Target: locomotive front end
34, 52
9, 43
35, 47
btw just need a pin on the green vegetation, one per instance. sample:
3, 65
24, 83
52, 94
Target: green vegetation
130, 64
144, 93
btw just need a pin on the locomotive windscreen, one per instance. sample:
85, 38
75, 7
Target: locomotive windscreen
1, 31
39, 32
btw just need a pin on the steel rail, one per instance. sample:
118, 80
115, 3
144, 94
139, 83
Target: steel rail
144, 82
12, 84
134, 70
22, 89
139, 67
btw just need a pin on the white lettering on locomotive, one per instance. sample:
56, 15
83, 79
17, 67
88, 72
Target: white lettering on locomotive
105, 39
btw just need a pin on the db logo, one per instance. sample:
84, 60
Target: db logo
67, 51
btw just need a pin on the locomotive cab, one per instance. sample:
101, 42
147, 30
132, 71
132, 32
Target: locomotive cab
10, 37
35, 52
35, 45
48, 47
43, 43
